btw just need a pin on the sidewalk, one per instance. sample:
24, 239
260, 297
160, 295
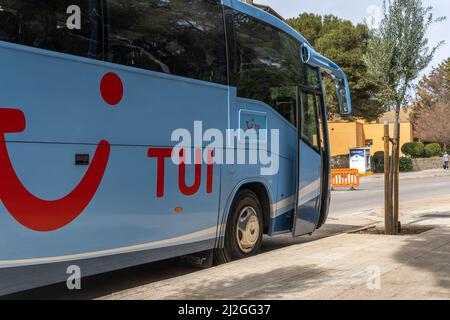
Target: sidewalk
339, 267
342, 266
411, 175
412, 267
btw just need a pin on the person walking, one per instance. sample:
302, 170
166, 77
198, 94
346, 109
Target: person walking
446, 161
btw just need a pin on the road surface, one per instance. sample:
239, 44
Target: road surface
371, 193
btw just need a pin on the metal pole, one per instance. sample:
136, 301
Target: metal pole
387, 197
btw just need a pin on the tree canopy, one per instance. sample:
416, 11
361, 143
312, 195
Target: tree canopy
399, 50
435, 88
345, 44
432, 124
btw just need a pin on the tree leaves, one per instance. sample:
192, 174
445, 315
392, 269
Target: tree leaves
398, 50
435, 88
345, 44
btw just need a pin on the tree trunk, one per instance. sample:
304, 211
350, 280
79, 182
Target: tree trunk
397, 177
394, 176
387, 171
391, 188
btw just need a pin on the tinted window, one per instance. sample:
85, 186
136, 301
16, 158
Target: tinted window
284, 101
68, 26
309, 121
182, 37
319, 99
265, 63
311, 78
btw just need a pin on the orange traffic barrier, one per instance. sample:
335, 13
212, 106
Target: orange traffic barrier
345, 178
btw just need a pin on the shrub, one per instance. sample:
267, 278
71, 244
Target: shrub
378, 162
406, 164
414, 149
379, 156
433, 150
426, 154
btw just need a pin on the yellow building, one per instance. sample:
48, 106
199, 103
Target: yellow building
346, 135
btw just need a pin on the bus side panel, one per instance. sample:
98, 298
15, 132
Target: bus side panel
64, 116
22, 278
280, 185
61, 98
125, 211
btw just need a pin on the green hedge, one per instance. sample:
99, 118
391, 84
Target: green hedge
406, 164
433, 150
414, 149
378, 162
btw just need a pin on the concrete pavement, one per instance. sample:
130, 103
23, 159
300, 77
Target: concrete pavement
329, 265
348, 266
344, 266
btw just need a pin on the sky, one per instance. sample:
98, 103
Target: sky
360, 10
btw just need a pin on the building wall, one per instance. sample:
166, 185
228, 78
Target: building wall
376, 133
344, 136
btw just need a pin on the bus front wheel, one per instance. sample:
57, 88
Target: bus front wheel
244, 230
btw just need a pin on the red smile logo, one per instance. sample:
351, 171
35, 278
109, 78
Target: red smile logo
42, 215
30, 211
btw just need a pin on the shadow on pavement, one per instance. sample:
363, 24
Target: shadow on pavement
430, 252
108, 283
285, 240
254, 286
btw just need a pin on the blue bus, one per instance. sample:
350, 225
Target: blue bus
92, 93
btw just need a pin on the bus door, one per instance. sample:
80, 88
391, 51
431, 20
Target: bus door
309, 165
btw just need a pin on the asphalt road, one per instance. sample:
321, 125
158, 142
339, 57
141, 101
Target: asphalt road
367, 197
370, 195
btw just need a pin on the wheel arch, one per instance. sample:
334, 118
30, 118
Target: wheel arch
262, 191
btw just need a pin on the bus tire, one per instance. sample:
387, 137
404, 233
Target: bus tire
244, 230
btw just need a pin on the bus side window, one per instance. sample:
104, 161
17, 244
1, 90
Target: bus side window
321, 124
185, 38
284, 101
310, 124
9, 23
264, 62
44, 25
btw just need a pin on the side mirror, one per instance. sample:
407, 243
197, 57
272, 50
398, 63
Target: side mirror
343, 93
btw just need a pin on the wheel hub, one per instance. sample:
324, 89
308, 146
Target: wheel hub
248, 230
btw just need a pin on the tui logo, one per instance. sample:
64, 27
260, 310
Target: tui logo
42, 215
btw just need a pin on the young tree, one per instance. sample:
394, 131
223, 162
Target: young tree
432, 124
397, 52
